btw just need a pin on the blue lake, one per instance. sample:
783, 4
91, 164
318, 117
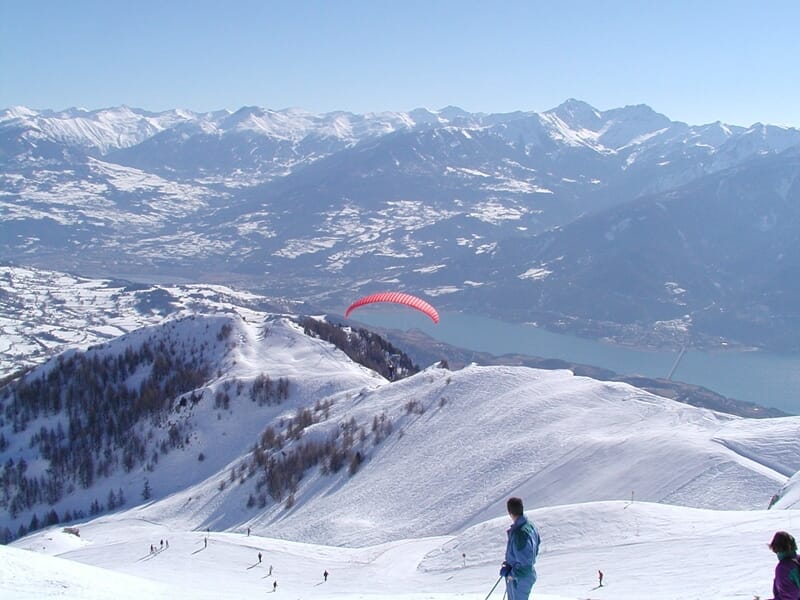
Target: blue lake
766, 379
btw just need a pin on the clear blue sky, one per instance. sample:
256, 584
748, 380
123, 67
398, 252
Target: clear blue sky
696, 61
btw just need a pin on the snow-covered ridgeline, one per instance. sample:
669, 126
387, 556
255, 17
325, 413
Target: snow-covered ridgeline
574, 123
122, 127
479, 432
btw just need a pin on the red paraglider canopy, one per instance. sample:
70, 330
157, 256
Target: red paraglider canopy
397, 298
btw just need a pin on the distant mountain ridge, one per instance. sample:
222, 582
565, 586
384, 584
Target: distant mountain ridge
318, 207
725, 274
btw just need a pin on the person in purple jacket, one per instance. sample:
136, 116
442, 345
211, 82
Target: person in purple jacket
521, 551
787, 575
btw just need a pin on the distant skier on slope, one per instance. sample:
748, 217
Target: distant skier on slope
786, 585
521, 551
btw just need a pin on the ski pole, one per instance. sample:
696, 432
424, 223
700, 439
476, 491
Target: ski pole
493, 587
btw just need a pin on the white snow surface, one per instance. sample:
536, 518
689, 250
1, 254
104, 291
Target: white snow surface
650, 551
420, 519
669, 500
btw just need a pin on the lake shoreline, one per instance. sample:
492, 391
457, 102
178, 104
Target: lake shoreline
738, 373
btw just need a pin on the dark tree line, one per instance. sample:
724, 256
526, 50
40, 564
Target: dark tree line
364, 347
265, 391
51, 517
96, 406
281, 458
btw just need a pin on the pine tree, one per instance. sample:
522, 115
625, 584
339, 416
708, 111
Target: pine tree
146, 492
6, 536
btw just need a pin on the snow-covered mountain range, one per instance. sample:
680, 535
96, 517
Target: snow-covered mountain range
464, 207
223, 423
396, 487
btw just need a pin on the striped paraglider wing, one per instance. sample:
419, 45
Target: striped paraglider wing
396, 298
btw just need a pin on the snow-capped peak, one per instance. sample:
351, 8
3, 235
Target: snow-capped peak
17, 112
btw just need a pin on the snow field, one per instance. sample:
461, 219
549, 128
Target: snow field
645, 551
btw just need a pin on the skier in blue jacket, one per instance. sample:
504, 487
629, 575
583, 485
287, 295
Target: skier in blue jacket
521, 551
